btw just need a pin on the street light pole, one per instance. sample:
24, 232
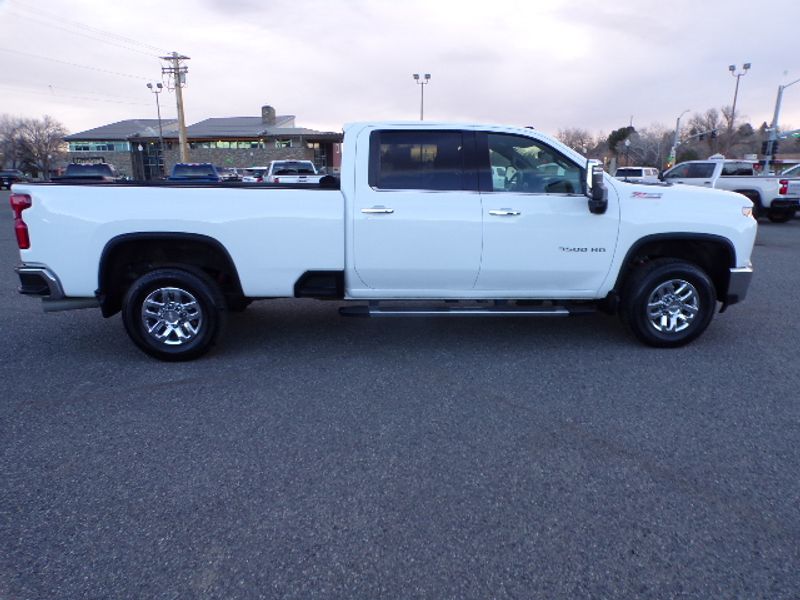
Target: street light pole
675, 141
773, 130
732, 69
157, 89
422, 81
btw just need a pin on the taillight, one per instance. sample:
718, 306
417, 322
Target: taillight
20, 202
259, 180
276, 180
784, 187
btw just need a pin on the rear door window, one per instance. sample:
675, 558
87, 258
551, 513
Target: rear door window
419, 160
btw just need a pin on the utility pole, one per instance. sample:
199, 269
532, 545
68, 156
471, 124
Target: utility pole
177, 74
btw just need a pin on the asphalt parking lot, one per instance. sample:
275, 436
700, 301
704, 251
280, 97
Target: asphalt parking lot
311, 456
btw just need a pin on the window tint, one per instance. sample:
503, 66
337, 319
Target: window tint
627, 172
700, 170
520, 164
679, 172
737, 169
417, 160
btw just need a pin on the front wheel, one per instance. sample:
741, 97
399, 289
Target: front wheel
668, 303
174, 315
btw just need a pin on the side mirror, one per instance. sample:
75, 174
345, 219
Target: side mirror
596, 188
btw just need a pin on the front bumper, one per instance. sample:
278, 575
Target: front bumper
737, 284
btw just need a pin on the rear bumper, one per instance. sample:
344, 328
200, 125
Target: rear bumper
785, 203
738, 284
38, 280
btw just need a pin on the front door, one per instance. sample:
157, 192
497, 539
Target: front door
540, 240
417, 223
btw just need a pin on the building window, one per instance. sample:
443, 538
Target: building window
283, 143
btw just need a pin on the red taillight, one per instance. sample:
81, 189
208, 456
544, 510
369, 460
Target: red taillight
20, 202
259, 179
276, 180
784, 187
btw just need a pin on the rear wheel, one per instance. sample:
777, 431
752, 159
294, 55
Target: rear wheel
174, 314
780, 215
668, 303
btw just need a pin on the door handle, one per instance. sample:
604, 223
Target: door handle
377, 210
505, 212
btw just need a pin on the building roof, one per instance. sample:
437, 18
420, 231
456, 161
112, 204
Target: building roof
122, 130
219, 127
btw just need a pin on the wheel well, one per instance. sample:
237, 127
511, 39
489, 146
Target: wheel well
712, 254
752, 195
128, 257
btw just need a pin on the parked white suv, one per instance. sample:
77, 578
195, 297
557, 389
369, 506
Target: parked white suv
638, 174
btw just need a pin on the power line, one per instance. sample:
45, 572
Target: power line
78, 24
86, 35
64, 62
69, 97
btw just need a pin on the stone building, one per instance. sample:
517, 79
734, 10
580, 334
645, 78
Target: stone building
133, 146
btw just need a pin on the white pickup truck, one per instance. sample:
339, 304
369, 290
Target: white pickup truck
776, 197
292, 171
422, 225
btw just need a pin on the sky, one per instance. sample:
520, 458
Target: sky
551, 64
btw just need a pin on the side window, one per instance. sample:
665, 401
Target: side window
520, 164
700, 170
417, 160
678, 172
737, 169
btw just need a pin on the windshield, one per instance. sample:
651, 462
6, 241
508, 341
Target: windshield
94, 170
294, 167
194, 171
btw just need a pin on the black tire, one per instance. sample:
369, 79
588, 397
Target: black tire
174, 314
780, 215
686, 301
758, 209
238, 304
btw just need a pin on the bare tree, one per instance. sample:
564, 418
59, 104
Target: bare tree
42, 143
576, 138
10, 142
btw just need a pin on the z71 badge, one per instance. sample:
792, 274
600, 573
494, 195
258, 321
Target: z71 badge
646, 195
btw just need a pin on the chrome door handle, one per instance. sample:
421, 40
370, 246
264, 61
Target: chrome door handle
505, 212
377, 210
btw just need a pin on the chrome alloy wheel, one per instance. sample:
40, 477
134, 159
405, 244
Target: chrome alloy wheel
672, 306
171, 316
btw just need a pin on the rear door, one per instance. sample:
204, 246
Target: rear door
417, 220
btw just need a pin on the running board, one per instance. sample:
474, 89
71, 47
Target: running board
460, 311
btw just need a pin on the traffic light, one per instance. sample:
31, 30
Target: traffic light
713, 134
701, 136
764, 148
774, 147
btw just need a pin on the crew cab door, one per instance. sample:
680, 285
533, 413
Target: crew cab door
539, 237
417, 219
